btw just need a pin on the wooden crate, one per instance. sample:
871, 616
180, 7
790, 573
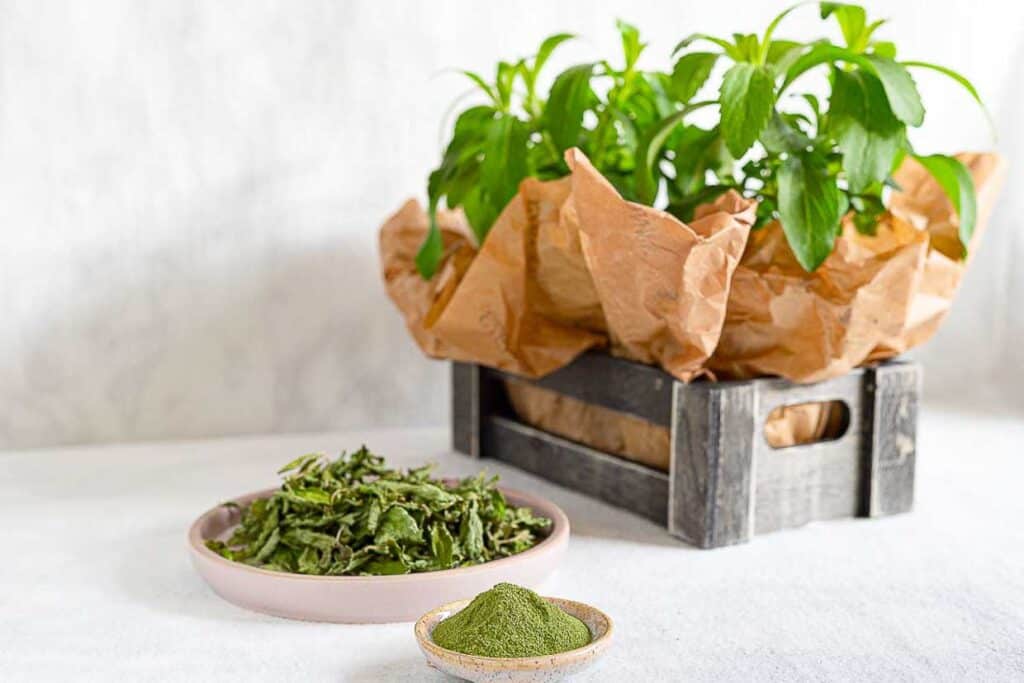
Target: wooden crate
725, 482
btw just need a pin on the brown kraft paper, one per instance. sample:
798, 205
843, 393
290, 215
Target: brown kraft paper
873, 298
569, 265
642, 441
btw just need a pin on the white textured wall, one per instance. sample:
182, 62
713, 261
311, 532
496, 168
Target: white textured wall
189, 196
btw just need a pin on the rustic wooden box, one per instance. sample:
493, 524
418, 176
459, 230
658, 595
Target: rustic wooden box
725, 482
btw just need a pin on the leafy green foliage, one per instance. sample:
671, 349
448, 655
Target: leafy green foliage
955, 180
354, 515
570, 98
747, 98
690, 73
807, 165
807, 201
864, 127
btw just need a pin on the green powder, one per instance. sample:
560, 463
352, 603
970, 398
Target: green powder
509, 621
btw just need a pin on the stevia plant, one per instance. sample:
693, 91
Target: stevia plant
807, 165
807, 160
518, 133
354, 515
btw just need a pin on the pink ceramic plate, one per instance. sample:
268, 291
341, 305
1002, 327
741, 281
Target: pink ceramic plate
367, 599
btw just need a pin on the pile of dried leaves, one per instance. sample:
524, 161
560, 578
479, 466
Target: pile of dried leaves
356, 516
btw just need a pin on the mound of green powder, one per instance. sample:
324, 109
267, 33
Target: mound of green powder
509, 621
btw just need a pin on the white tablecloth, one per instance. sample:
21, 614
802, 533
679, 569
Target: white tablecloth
95, 582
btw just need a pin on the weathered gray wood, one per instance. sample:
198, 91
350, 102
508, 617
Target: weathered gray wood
711, 471
725, 482
595, 377
801, 484
466, 408
621, 482
893, 399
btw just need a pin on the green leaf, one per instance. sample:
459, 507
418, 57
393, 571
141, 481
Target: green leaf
696, 151
899, 89
896, 81
821, 53
370, 519
631, 45
956, 182
649, 150
471, 534
570, 97
505, 77
782, 54
884, 48
811, 206
747, 47
646, 183
959, 78
727, 47
480, 211
548, 47
766, 40
306, 537
397, 525
852, 22
357, 534
384, 567
442, 545
747, 98
867, 208
685, 208
430, 253
436, 496
867, 132
269, 546
299, 462
690, 73
311, 495
504, 166
779, 137
483, 85
309, 561
459, 169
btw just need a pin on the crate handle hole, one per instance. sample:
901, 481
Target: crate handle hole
799, 424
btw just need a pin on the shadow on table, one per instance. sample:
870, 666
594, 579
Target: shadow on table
412, 669
156, 572
627, 528
589, 516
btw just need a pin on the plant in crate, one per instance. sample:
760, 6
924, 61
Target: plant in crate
797, 234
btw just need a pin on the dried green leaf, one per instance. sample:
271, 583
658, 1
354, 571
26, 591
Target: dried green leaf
356, 516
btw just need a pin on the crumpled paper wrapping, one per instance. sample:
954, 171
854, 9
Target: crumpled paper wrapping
636, 439
606, 430
570, 265
663, 285
873, 298
422, 301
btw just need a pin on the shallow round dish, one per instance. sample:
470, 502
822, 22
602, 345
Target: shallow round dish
366, 599
486, 669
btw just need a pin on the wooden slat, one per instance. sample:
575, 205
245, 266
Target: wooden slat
465, 408
712, 454
594, 377
614, 480
893, 402
801, 484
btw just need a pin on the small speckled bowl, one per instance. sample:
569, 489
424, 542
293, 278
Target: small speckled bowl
516, 669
